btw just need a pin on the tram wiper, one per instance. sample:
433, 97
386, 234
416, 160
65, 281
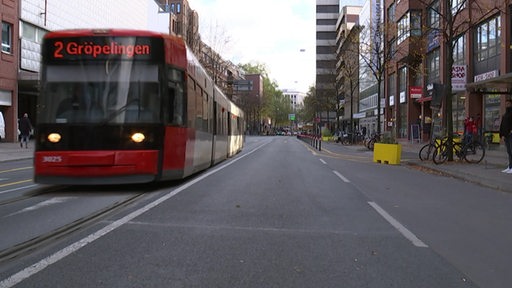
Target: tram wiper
116, 113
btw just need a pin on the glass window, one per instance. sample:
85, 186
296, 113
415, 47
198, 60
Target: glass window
391, 86
29, 32
492, 112
391, 13
402, 72
433, 66
403, 28
459, 50
458, 113
392, 48
416, 23
327, 9
488, 39
6, 37
458, 5
409, 24
433, 15
417, 76
402, 121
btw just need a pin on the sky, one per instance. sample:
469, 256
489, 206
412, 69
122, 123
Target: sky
277, 33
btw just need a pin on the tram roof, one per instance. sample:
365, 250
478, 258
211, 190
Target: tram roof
100, 32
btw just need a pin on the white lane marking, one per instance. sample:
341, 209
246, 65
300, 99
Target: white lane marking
52, 201
401, 228
59, 255
19, 188
341, 176
322, 160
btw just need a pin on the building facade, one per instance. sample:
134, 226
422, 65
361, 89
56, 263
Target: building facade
347, 67
327, 12
184, 22
9, 58
480, 77
295, 97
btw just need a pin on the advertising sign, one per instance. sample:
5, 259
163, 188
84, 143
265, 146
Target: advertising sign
416, 92
459, 75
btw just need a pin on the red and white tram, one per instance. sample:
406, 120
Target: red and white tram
127, 106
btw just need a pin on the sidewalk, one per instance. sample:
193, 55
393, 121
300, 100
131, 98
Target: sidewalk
486, 173
12, 151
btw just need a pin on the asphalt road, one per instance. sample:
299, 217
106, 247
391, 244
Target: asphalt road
283, 215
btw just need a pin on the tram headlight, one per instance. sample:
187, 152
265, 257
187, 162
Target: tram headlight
138, 137
54, 137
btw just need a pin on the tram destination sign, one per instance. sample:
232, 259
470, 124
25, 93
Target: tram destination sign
101, 48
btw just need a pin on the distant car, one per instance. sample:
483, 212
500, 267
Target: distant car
2, 127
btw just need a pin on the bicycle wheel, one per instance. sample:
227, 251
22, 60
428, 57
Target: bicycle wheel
426, 151
474, 152
440, 154
458, 150
371, 143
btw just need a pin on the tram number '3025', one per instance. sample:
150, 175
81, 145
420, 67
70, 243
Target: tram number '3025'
52, 159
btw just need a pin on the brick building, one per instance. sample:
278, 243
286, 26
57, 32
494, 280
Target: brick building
417, 36
9, 66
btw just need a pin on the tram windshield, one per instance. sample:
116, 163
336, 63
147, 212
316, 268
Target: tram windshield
110, 92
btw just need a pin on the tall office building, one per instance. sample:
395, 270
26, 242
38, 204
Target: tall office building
327, 12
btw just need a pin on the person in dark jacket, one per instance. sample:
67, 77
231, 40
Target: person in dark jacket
25, 128
506, 133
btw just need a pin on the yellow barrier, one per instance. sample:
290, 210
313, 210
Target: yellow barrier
387, 153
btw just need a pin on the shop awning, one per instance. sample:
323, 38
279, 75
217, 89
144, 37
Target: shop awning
424, 99
497, 85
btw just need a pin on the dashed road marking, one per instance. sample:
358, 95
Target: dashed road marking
401, 228
343, 178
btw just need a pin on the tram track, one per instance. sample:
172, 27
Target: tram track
33, 244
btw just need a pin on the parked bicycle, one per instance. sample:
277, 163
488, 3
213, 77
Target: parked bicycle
349, 138
470, 150
373, 139
426, 152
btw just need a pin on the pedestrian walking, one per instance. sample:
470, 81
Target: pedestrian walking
506, 133
25, 129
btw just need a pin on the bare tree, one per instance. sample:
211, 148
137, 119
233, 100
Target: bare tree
348, 73
457, 17
373, 58
215, 45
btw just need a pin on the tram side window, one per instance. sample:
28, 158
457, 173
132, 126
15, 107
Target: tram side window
220, 128
205, 112
176, 98
199, 106
230, 128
